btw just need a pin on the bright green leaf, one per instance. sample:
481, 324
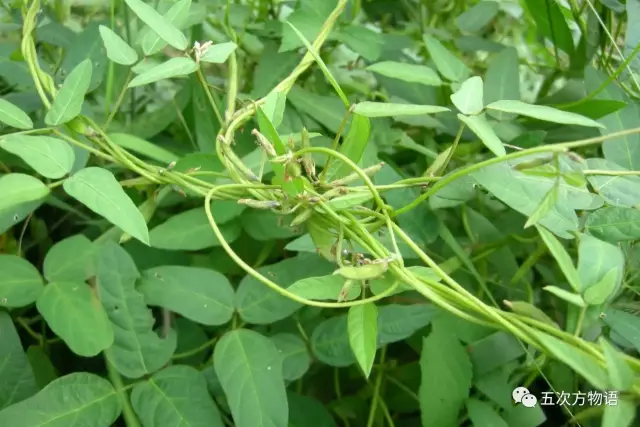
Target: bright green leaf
469, 98
177, 16
323, 288
20, 282
68, 101
551, 23
174, 67
362, 322
14, 116
387, 109
570, 297
446, 62
410, 73
218, 53
159, 24
117, 49
48, 156
481, 127
542, 112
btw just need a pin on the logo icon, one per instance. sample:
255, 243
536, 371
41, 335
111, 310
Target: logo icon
522, 395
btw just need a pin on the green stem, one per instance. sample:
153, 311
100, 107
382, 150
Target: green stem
127, 411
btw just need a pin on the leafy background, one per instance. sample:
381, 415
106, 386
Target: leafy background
154, 271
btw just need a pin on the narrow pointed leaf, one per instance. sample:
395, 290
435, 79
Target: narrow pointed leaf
117, 49
18, 188
48, 156
163, 28
353, 147
481, 127
68, 101
362, 322
99, 190
410, 73
177, 16
446, 62
174, 67
388, 109
545, 206
562, 258
14, 116
73, 313
542, 112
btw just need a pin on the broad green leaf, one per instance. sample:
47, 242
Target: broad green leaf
18, 189
295, 356
598, 260
621, 414
159, 24
469, 98
562, 258
575, 358
306, 411
190, 230
117, 49
551, 23
321, 64
177, 16
547, 204
43, 370
141, 146
249, 367
68, 101
13, 116
20, 282
502, 80
542, 112
80, 399
613, 224
446, 62
352, 147
624, 324
323, 288
443, 361
218, 53
362, 322
258, 304
48, 156
410, 73
73, 313
175, 396
570, 297
386, 109
594, 108
477, 17
18, 382
481, 413
98, 189
199, 294
621, 190
482, 128
137, 349
309, 16
620, 374
174, 67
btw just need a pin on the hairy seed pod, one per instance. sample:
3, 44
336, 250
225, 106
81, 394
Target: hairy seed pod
264, 143
259, 204
370, 171
365, 272
301, 217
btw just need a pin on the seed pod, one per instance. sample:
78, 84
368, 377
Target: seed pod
301, 217
292, 170
264, 143
259, 204
370, 171
365, 272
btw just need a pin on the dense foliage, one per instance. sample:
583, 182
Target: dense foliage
270, 213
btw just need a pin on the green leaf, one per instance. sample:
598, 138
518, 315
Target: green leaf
68, 101
323, 288
562, 258
73, 313
79, 398
570, 297
352, 147
547, 204
146, 148
98, 189
482, 414
502, 80
620, 415
309, 16
159, 24
387, 109
446, 62
469, 98
174, 67
621, 190
70, 260
305, 411
362, 322
43, 370
137, 349
18, 382
177, 16
542, 112
620, 374
50, 157
13, 116
624, 324
575, 358
199, 294
321, 64
601, 269
117, 49
20, 282
363, 41
218, 53
296, 359
481, 127
18, 188
613, 224
551, 23
190, 230
249, 367
410, 73
175, 396
443, 361
477, 17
